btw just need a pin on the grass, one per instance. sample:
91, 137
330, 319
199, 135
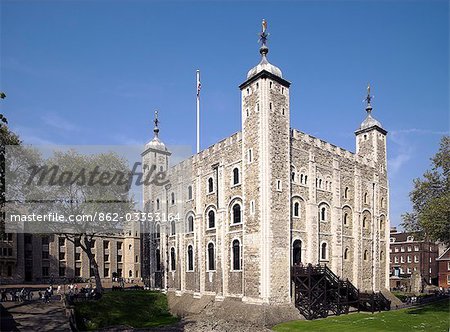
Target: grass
138, 309
432, 317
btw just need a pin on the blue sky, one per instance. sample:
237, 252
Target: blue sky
93, 72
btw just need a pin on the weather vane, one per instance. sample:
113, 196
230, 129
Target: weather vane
263, 35
156, 121
368, 98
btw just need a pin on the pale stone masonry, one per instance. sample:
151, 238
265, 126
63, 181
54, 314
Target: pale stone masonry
300, 200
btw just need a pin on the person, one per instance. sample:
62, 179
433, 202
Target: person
4, 298
58, 290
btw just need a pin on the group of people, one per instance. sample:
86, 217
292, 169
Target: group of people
16, 295
46, 295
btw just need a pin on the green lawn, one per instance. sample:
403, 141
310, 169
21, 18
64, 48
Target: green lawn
139, 309
433, 317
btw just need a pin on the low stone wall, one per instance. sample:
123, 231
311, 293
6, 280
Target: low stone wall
231, 310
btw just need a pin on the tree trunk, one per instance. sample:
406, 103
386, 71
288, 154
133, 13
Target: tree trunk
93, 264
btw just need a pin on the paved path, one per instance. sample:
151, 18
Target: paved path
33, 316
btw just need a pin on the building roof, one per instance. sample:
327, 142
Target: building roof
445, 255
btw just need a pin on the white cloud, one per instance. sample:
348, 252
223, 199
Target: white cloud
59, 123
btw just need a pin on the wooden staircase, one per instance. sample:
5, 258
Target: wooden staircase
319, 292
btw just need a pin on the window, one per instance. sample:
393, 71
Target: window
345, 218
252, 207
364, 222
172, 259
77, 271
172, 227
106, 258
416, 248
62, 242
392, 239
382, 202
297, 252
410, 238
448, 279
323, 214
346, 192
402, 259
210, 185
237, 214
409, 248
236, 255
402, 249
382, 223
189, 192
279, 185
235, 176
366, 255
130, 273
211, 258
408, 259
211, 219
157, 235
416, 259
408, 270
157, 204
346, 252
365, 198
324, 251
396, 249
190, 224
396, 259
62, 256
78, 256
45, 271
136, 258
158, 260
106, 272
105, 244
172, 198
119, 258
448, 266
382, 256
249, 156
44, 254
190, 258
62, 271
296, 209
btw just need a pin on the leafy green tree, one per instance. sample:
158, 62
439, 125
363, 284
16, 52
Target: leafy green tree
91, 187
430, 199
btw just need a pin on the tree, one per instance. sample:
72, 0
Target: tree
430, 199
89, 191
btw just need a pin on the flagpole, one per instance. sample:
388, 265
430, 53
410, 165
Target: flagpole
198, 111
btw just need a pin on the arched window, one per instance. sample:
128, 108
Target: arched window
382, 256
236, 255
172, 198
323, 251
158, 231
130, 273
236, 214
157, 204
190, 224
297, 252
320, 183
364, 222
172, 259
210, 185
382, 224
172, 227
366, 255
211, 219
306, 179
382, 202
158, 260
346, 192
345, 218
296, 209
211, 258
236, 175
365, 198
293, 176
301, 179
346, 252
323, 213
190, 258
189, 192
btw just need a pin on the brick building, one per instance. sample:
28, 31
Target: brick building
444, 269
409, 254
